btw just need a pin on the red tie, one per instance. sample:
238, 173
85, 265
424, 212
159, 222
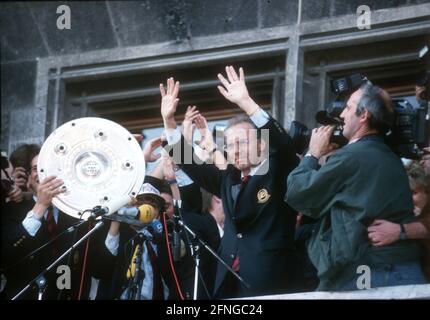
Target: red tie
235, 266
50, 222
52, 229
244, 181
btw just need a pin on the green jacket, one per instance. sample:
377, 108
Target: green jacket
361, 182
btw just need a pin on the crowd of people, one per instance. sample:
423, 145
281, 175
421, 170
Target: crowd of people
280, 222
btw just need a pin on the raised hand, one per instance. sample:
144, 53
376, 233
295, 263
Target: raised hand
207, 142
188, 125
234, 90
46, 191
168, 172
138, 137
169, 102
149, 149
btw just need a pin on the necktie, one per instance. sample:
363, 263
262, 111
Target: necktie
52, 228
50, 222
157, 285
235, 266
244, 181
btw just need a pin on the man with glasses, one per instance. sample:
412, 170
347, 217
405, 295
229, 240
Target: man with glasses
259, 226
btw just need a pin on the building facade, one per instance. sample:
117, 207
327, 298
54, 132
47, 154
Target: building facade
111, 60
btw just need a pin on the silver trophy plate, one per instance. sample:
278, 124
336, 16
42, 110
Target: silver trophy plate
97, 159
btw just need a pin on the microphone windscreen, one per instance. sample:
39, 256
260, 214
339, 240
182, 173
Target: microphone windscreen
157, 227
147, 213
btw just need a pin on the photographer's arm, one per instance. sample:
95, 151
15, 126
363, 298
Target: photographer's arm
306, 182
310, 189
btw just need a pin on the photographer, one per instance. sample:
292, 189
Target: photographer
359, 183
10, 192
20, 159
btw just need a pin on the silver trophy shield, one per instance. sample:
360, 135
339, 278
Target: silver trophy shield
98, 160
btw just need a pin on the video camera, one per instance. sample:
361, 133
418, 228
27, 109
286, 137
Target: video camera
6, 184
408, 136
342, 87
410, 132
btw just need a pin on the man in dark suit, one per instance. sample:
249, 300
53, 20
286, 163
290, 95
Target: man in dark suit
27, 226
259, 226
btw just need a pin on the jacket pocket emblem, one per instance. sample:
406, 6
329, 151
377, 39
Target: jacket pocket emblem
263, 196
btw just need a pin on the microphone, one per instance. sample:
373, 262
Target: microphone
111, 206
157, 227
176, 246
145, 213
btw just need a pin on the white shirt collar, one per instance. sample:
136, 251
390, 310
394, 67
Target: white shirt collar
353, 141
254, 169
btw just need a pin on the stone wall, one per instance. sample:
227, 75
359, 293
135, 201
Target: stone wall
29, 34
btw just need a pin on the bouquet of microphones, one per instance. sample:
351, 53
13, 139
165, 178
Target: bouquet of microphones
140, 217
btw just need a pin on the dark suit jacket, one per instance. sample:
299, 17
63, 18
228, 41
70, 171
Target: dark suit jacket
17, 243
261, 233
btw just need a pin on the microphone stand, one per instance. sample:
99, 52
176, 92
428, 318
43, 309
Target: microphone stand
213, 253
89, 233
196, 254
41, 283
135, 287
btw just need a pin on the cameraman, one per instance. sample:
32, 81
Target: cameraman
359, 183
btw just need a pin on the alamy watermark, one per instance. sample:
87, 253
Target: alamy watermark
363, 17
64, 21
64, 280
249, 147
364, 280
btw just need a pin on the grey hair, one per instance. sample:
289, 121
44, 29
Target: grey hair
378, 104
242, 118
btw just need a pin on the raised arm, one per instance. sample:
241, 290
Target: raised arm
205, 175
234, 90
169, 103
